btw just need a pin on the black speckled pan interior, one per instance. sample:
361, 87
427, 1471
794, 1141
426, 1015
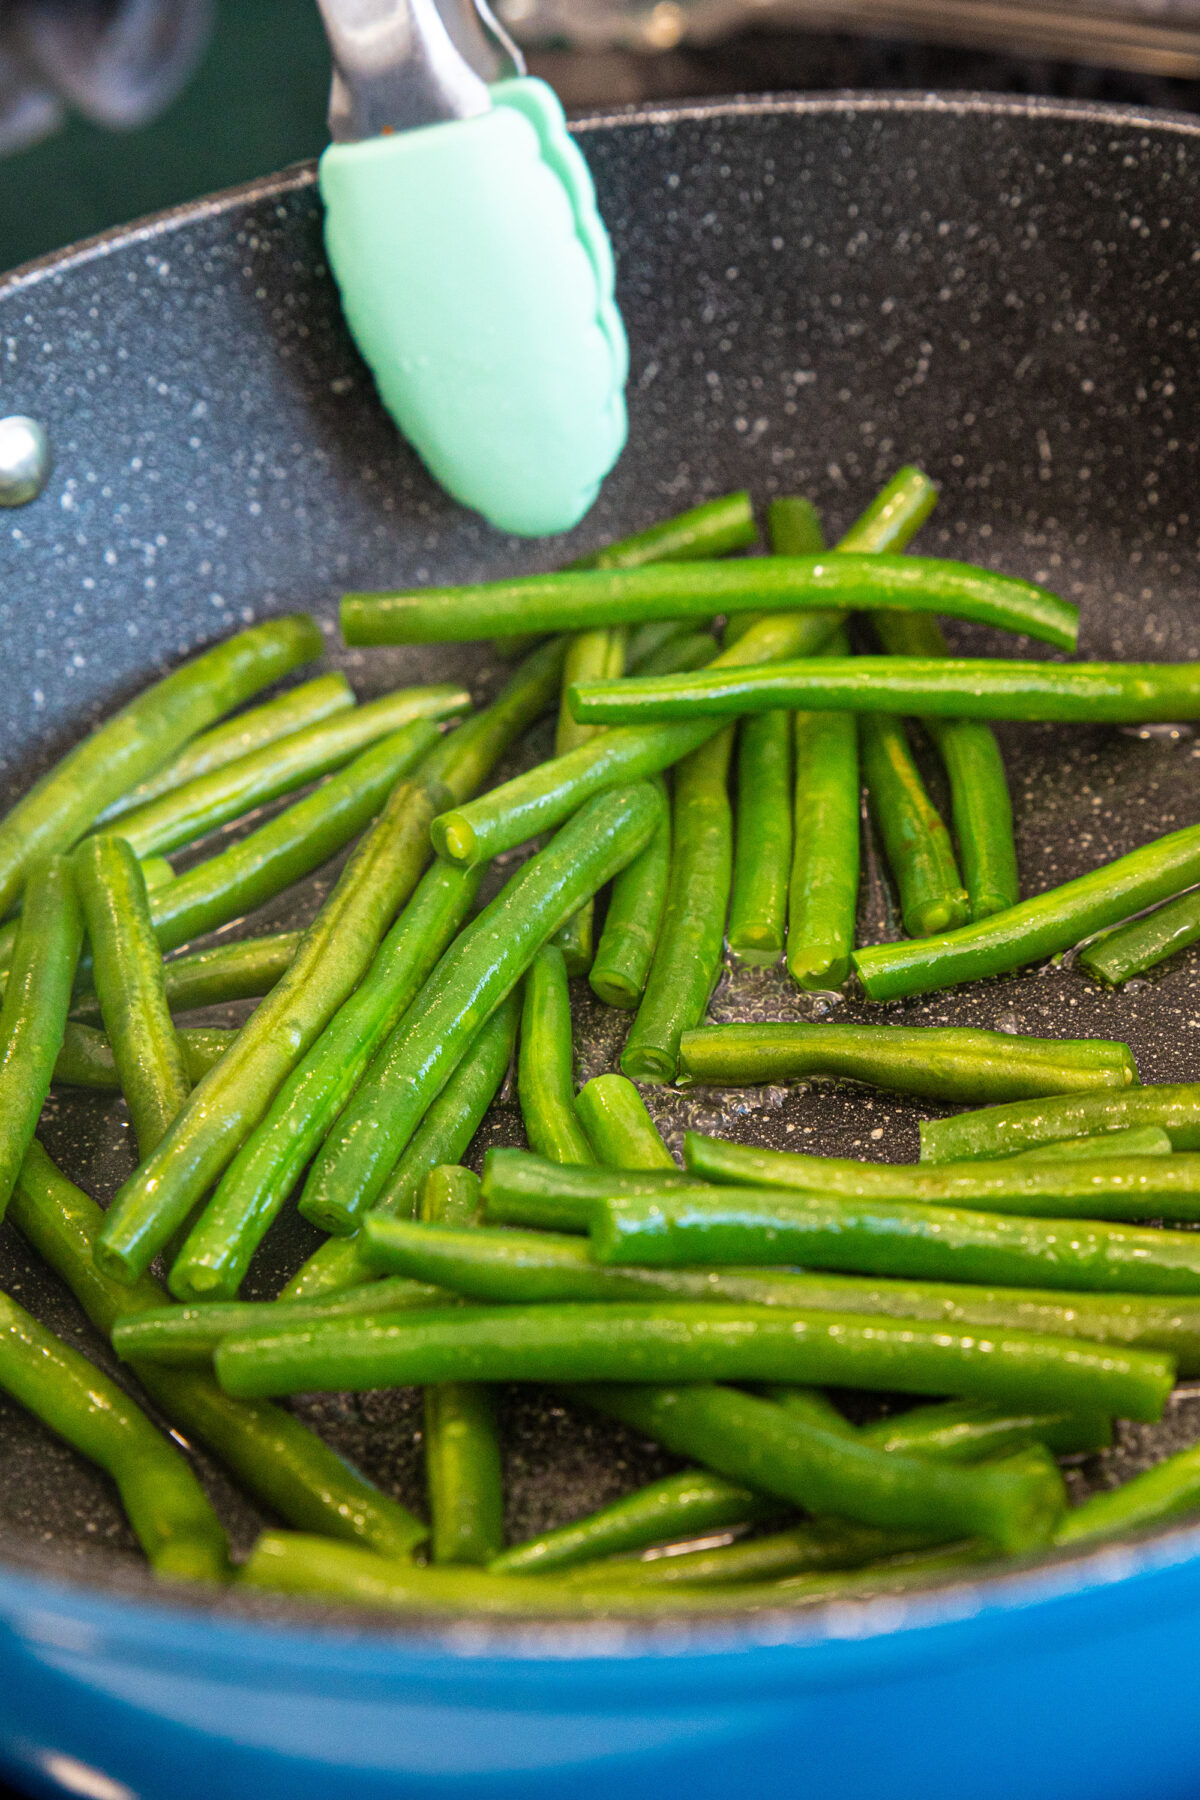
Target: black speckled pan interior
815, 292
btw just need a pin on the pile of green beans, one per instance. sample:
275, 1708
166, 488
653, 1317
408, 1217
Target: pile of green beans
1018, 1278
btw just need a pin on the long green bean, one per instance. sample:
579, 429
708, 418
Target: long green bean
823, 891
270, 1162
519, 809
793, 529
36, 1001
1168, 1491
710, 529
619, 1128
243, 970
545, 1073
965, 1431
464, 759
239, 736
212, 800
163, 1501
759, 1443
915, 840
224, 1109
1037, 928
86, 1058
649, 638
687, 956
979, 796
818, 1544
442, 1136
530, 1266
874, 1236
1143, 943
139, 739
271, 1452
1149, 1140
185, 1336
462, 1446
938, 1062
762, 862
128, 971
581, 600
520, 1189
1004, 1130
678, 1506
669, 1341
633, 920
950, 688
290, 846
475, 974
588, 653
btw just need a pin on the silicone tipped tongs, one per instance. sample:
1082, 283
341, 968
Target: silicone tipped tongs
474, 268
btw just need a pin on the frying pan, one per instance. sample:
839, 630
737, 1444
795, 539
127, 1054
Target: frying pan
816, 291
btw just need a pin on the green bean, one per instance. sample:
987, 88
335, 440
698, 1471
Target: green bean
678, 1506
186, 1336
710, 529
793, 529
1141, 944
589, 652
450, 1195
914, 837
949, 687
168, 1509
875, 1236
86, 1058
818, 1544
1150, 1140
212, 800
272, 1159
274, 1456
979, 794
694, 651
634, 919
156, 873
243, 970
1168, 1491
465, 758
519, 809
442, 1136
139, 739
763, 841
240, 736
475, 974
965, 1431
132, 994
670, 1341
755, 1441
520, 1189
687, 956
545, 1075
34, 1014
823, 890
1037, 928
581, 600
619, 1128
938, 1062
229, 1102
290, 846
654, 635
1003, 1130
462, 1446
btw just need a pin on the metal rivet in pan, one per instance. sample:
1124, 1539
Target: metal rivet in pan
25, 460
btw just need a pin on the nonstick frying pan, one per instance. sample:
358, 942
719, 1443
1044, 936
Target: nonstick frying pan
816, 291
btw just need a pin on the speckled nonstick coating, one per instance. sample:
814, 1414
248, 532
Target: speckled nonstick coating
815, 291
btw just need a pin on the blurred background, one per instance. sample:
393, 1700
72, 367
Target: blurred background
113, 108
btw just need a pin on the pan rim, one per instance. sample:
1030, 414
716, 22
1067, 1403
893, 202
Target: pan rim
831, 1641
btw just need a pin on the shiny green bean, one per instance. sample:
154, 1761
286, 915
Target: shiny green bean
1149, 1140
37, 997
520, 1189
243, 970
710, 529
465, 758
86, 1058
1004, 1130
1143, 943
793, 529
268, 1450
588, 653
186, 1336
762, 861
1037, 928
481, 967
136, 741
634, 918
531, 803
618, 1126
1170, 1490
545, 1067
823, 890
915, 840
128, 972
938, 1062
965, 1431
169, 1511
687, 956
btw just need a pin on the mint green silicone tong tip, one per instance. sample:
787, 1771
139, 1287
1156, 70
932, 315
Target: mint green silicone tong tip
475, 271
